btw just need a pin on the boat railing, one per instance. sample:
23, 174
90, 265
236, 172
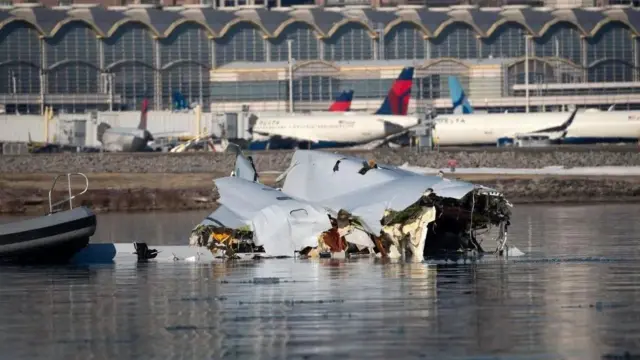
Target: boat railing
55, 207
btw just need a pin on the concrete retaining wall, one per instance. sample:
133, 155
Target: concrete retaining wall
279, 160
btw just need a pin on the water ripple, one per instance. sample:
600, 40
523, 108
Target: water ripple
573, 296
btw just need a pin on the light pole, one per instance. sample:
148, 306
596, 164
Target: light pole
380, 32
526, 72
14, 89
290, 58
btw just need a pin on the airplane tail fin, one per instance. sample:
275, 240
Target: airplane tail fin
244, 167
458, 97
253, 119
179, 102
143, 114
343, 101
397, 100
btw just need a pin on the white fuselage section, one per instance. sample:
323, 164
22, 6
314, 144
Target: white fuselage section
123, 139
606, 124
470, 129
338, 127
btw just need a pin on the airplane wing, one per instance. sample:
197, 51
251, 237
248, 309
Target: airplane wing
552, 133
287, 136
379, 142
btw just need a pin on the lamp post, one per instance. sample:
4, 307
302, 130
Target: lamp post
526, 72
290, 58
14, 89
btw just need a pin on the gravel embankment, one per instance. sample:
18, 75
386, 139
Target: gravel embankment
140, 182
279, 160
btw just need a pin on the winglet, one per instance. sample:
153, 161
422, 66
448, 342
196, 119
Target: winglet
459, 100
343, 102
397, 100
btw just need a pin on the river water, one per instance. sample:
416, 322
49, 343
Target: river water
575, 295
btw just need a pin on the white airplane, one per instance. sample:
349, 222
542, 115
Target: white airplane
490, 129
566, 128
589, 126
338, 129
126, 139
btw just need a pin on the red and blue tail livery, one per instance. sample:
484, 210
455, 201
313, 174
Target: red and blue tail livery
343, 102
397, 100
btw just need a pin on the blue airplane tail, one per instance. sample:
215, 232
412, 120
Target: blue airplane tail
397, 100
179, 102
459, 99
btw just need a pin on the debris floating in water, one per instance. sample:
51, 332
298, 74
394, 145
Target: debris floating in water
332, 205
266, 280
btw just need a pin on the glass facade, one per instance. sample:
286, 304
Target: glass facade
130, 63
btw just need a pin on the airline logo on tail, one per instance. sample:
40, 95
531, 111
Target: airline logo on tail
343, 102
397, 100
179, 102
459, 99
143, 114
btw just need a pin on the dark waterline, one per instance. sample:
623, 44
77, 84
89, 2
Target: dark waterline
573, 296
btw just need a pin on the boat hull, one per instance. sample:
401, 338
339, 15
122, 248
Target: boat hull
54, 238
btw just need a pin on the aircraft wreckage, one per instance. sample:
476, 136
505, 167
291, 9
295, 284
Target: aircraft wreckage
333, 205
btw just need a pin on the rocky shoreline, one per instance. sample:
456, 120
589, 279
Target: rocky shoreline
157, 192
174, 182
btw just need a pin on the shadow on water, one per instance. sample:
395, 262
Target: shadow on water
572, 297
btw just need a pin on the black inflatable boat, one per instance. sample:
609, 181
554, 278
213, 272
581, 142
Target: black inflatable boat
53, 238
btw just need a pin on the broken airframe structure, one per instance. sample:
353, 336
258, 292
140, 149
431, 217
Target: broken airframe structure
335, 205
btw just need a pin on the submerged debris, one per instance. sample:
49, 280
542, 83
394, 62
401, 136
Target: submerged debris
224, 241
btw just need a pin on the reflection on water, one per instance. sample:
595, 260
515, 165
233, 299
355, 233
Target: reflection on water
572, 297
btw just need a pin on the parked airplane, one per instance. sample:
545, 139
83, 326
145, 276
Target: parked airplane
577, 128
338, 129
585, 127
126, 139
491, 129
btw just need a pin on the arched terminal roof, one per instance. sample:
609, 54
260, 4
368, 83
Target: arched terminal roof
324, 21
103, 21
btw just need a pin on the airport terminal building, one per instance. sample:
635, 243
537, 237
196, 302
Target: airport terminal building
84, 57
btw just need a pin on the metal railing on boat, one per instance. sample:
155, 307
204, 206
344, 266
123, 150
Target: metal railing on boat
53, 206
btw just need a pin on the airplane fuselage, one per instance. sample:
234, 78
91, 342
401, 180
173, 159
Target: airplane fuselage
326, 130
125, 139
486, 129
